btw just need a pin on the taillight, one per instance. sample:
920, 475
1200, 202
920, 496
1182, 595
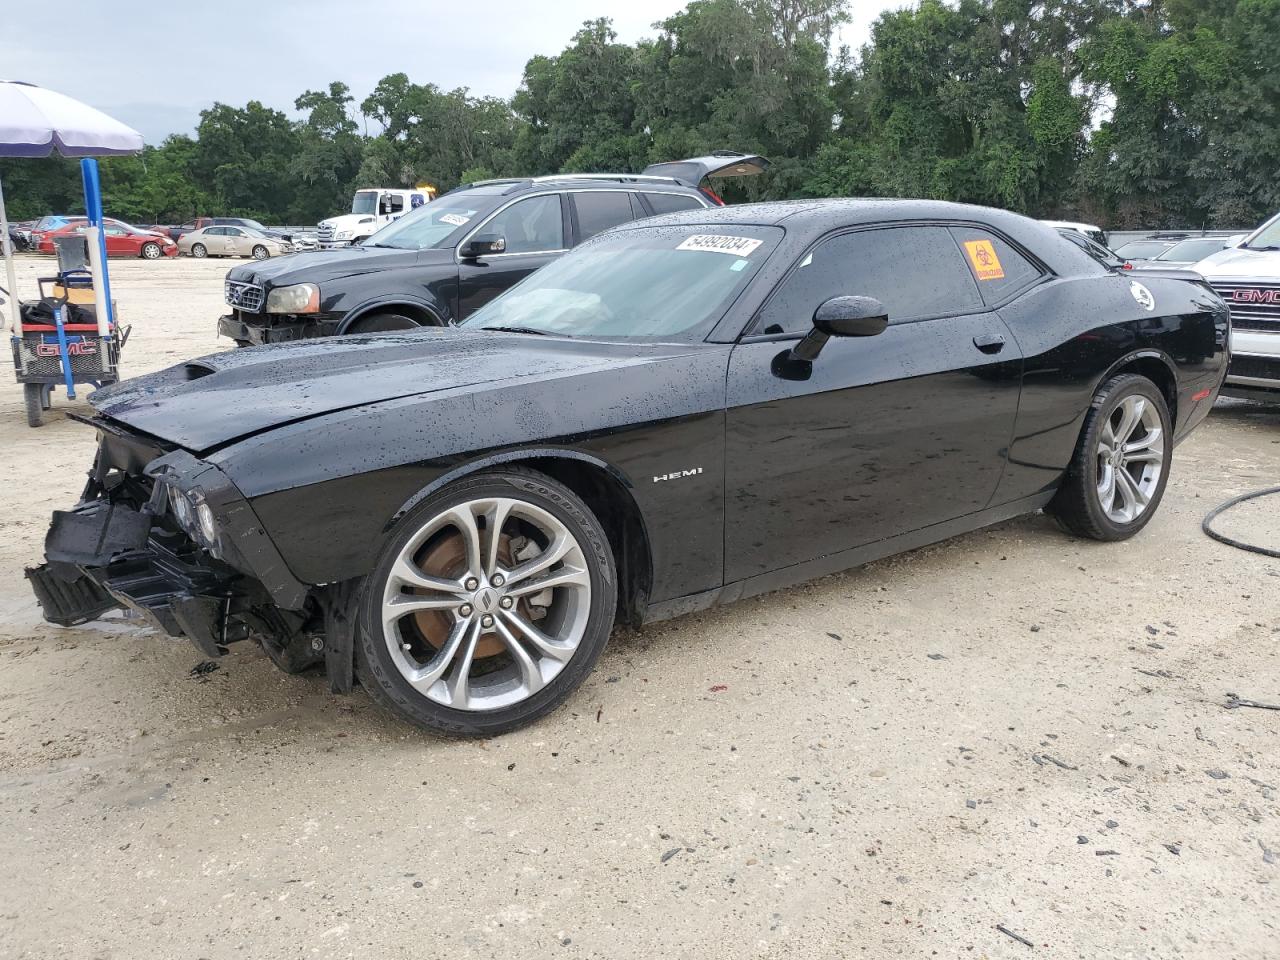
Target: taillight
711, 195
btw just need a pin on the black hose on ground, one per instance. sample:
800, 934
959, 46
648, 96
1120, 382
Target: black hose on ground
1207, 525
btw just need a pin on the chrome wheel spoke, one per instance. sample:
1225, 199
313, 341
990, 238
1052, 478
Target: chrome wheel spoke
1149, 448
464, 520
540, 641
566, 576
459, 683
556, 551
407, 574
530, 675
1107, 488
424, 678
1131, 411
494, 520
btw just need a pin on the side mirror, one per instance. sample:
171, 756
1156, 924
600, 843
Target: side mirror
483, 245
842, 317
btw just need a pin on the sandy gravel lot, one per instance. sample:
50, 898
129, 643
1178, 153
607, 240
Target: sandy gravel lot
1011, 728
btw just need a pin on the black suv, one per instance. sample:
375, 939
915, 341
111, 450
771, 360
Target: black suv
436, 265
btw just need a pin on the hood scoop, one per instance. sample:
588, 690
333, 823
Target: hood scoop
195, 370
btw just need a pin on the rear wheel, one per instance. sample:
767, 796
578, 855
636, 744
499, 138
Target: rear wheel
33, 396
199, 251
1118, 474
260, 252
151, 251
490, 604
383, 323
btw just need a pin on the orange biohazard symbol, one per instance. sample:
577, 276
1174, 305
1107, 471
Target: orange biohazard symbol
982, 256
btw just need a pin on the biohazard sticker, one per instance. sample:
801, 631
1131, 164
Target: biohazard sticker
983, 259
454, 219
734, 246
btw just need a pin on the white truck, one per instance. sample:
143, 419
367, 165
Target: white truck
1247, 276
371, 210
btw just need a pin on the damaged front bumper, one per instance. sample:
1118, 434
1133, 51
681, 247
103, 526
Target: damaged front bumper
136, 541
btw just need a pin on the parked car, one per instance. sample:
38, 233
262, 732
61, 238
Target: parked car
122, 240
1247, 275
48, 224
199, 223
1186, 253
231, 242
1103, 254
1146, 249
1090, 230
681, 412
446, 259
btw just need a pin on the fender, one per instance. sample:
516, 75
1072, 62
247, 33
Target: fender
1146, 353
400, 300
512, 456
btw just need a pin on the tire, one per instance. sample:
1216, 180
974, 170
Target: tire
382, 323
260, 252
470, 679
33, 396
199, 251
1105, 498
151, 251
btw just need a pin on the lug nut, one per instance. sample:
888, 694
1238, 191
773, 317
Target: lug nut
505, 603
498, 580
464, 610
486, 621
472, 583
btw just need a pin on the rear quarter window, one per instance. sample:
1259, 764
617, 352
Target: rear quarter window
999, 270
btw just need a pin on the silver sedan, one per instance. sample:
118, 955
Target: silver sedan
231, 242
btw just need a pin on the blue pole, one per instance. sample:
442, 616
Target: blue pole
59, 318
93, 209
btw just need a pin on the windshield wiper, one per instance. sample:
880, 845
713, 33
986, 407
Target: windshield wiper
530, 330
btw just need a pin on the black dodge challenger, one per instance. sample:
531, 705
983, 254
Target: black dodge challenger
683, 411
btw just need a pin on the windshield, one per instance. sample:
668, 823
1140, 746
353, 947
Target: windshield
439, 223
1143, 249
1268, 237
366, 201
252, 225
1189, 251
660, 282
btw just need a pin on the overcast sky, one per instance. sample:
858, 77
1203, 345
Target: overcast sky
157, 65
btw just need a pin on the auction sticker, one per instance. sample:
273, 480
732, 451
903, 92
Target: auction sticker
711, 243
983, 259
454, 219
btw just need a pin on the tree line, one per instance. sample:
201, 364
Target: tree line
1128, 113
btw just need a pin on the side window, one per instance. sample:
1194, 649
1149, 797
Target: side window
600, 210
233, 231
215, 231
530, 226
916, 272
999, 269
671, 202
395, 203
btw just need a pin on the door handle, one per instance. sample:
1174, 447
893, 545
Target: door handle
989, 342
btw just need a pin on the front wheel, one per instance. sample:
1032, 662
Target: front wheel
489, 605
383, 323
1121, 465
151, 251
260, 252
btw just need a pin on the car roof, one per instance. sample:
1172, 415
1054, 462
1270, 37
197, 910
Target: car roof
810, 219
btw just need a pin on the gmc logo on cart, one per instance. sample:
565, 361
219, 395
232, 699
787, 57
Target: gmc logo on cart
78, 348
1256, 296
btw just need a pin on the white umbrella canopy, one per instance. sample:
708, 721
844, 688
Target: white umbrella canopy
35, 122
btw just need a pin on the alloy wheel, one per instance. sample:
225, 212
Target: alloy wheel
1130, 458
486, 603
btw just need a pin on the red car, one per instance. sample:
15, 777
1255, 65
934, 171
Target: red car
122, 240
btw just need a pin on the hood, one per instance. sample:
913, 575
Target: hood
212, 401
317, 266
349, 221
1241, 265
